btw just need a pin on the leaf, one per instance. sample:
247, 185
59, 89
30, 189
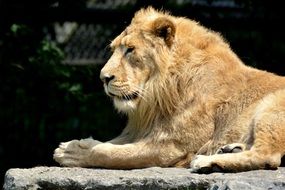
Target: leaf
75, 88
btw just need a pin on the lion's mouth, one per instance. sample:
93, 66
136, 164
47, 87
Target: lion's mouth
126, 97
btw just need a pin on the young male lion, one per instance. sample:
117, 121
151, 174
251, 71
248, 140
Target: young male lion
186, 93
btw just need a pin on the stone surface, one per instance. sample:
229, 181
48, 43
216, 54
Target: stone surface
56, 178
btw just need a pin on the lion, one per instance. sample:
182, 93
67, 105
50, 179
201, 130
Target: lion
190, 102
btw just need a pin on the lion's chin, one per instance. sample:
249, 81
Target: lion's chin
125, 105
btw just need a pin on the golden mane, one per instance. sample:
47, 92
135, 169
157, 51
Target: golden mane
167, 93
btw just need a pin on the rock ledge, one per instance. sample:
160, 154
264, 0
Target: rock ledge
57, 178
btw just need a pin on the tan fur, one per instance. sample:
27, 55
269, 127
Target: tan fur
185, 93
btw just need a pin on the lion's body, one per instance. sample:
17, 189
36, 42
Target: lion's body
185, 93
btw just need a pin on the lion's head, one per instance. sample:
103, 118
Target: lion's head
137, 52
154, 61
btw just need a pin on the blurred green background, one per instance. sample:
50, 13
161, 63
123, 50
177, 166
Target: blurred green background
44, 101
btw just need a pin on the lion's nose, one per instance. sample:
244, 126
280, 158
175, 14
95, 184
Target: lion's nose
106, 78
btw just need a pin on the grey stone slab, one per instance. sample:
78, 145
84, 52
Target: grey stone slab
60, 178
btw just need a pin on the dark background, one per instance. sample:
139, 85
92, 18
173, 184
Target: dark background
44, 102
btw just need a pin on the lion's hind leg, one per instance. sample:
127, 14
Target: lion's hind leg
267, 149
235, 162
266, 153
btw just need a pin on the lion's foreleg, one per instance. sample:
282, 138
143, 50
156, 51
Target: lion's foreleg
133, 155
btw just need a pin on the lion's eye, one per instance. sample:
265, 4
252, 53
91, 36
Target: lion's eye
129, 50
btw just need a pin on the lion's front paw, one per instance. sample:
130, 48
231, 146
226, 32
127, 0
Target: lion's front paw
204, 164
75, 153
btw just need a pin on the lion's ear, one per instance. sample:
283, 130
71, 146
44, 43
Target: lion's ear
164, 28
